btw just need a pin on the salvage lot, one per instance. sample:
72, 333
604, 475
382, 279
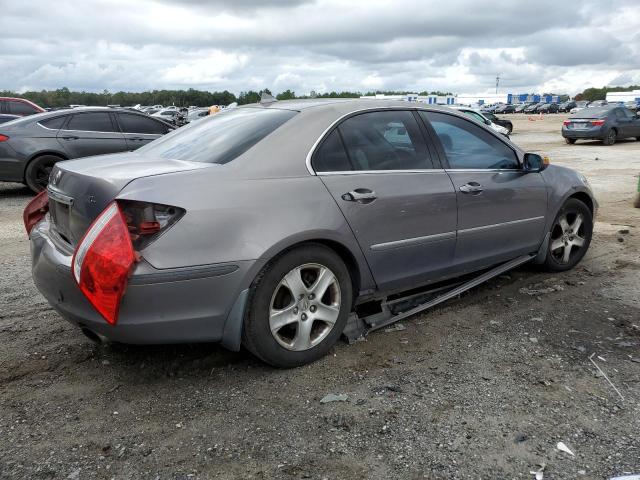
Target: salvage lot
482, 387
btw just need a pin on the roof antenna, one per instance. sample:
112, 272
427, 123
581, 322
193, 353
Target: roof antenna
266, 98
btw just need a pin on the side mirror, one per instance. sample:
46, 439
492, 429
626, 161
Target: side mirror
534, 162
487, 121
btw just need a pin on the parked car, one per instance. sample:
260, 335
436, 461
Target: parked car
169, 115
521, 107
632, 105
483, 118
268, 225
548, 108
500, 121
490, 108
580, 105
602, 123
4, 118
197, 114
533, 108
18, 106
565, 107
505, 108
30, 146
597, 103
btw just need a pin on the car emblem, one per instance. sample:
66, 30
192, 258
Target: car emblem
92, 199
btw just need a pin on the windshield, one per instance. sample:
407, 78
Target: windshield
219, 138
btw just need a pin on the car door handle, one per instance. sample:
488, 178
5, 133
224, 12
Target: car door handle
71, 137
360, 195
471, 187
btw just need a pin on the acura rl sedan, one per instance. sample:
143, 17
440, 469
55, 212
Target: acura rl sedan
30, 146
272, 225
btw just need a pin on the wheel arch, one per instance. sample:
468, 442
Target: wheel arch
584, 198
36, 155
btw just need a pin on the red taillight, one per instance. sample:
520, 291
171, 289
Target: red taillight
103, 260
566, 122
3, 138
35, 210
597, 122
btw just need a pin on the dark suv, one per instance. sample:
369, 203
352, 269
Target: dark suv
18, 106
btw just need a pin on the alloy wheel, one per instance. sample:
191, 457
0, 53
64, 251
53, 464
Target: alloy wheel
304, 307
567, 237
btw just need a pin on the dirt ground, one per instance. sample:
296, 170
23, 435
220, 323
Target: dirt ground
482, 387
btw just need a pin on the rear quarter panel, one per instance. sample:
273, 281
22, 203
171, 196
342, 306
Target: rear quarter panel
232, 219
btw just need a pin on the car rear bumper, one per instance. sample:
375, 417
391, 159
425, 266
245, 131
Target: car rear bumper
595, 132
164, 306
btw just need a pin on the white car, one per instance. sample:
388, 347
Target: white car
479, 117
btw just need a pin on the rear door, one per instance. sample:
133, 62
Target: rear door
501, 208
138, 130
91, 133
400, 205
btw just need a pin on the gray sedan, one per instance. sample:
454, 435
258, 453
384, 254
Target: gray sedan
602, 123
282, 225
30, 146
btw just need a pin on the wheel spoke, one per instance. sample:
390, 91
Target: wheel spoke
556, 244
293, 281
302, 340
324, 281
575, 226
564, 224
327, 313
578, 241
280, 318
566, 254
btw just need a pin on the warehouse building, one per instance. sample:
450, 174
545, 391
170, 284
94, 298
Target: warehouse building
629, 96
491, 98
414, 97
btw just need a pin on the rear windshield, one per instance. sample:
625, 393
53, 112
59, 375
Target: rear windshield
219, 138
592, 112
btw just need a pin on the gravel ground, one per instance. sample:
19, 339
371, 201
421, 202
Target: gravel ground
482, 387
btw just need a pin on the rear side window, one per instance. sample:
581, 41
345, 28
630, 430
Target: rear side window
20, 108
138, 124
469, 146
54, 123
221, 137
91, 122
385, 140
331, 156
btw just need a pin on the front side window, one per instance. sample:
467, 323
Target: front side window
131, 123
385, 140
219, 138
468, 146
91, 122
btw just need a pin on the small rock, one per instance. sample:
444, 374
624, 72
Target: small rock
533, 339
521, 437
623, 231
620, 239
398, 327
332, 397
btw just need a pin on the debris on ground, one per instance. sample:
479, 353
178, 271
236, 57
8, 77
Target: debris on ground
541, 291
332, 397
540, 472
562, 447
627, 477
605, 375
398, 327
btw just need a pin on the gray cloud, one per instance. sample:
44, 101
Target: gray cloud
458, 45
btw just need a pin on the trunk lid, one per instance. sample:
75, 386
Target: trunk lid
80, 189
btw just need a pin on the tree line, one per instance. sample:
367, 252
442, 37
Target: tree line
593, 93
63, 97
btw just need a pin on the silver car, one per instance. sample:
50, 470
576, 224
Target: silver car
279, 226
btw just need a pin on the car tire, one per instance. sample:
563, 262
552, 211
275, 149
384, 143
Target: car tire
570, 141
285, 324
36, 175
610, 137
568, 243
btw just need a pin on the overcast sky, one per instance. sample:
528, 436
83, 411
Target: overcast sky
453, 45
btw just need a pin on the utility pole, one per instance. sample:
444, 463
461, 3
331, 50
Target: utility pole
497, 82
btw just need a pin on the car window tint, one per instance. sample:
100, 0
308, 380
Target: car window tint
467, 145
20, 108
219, 138
54, 123
331, 156
138, 124
389, 140
91, 122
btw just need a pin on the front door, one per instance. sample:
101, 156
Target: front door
91, 133
399, 204
138, 130
501, 208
